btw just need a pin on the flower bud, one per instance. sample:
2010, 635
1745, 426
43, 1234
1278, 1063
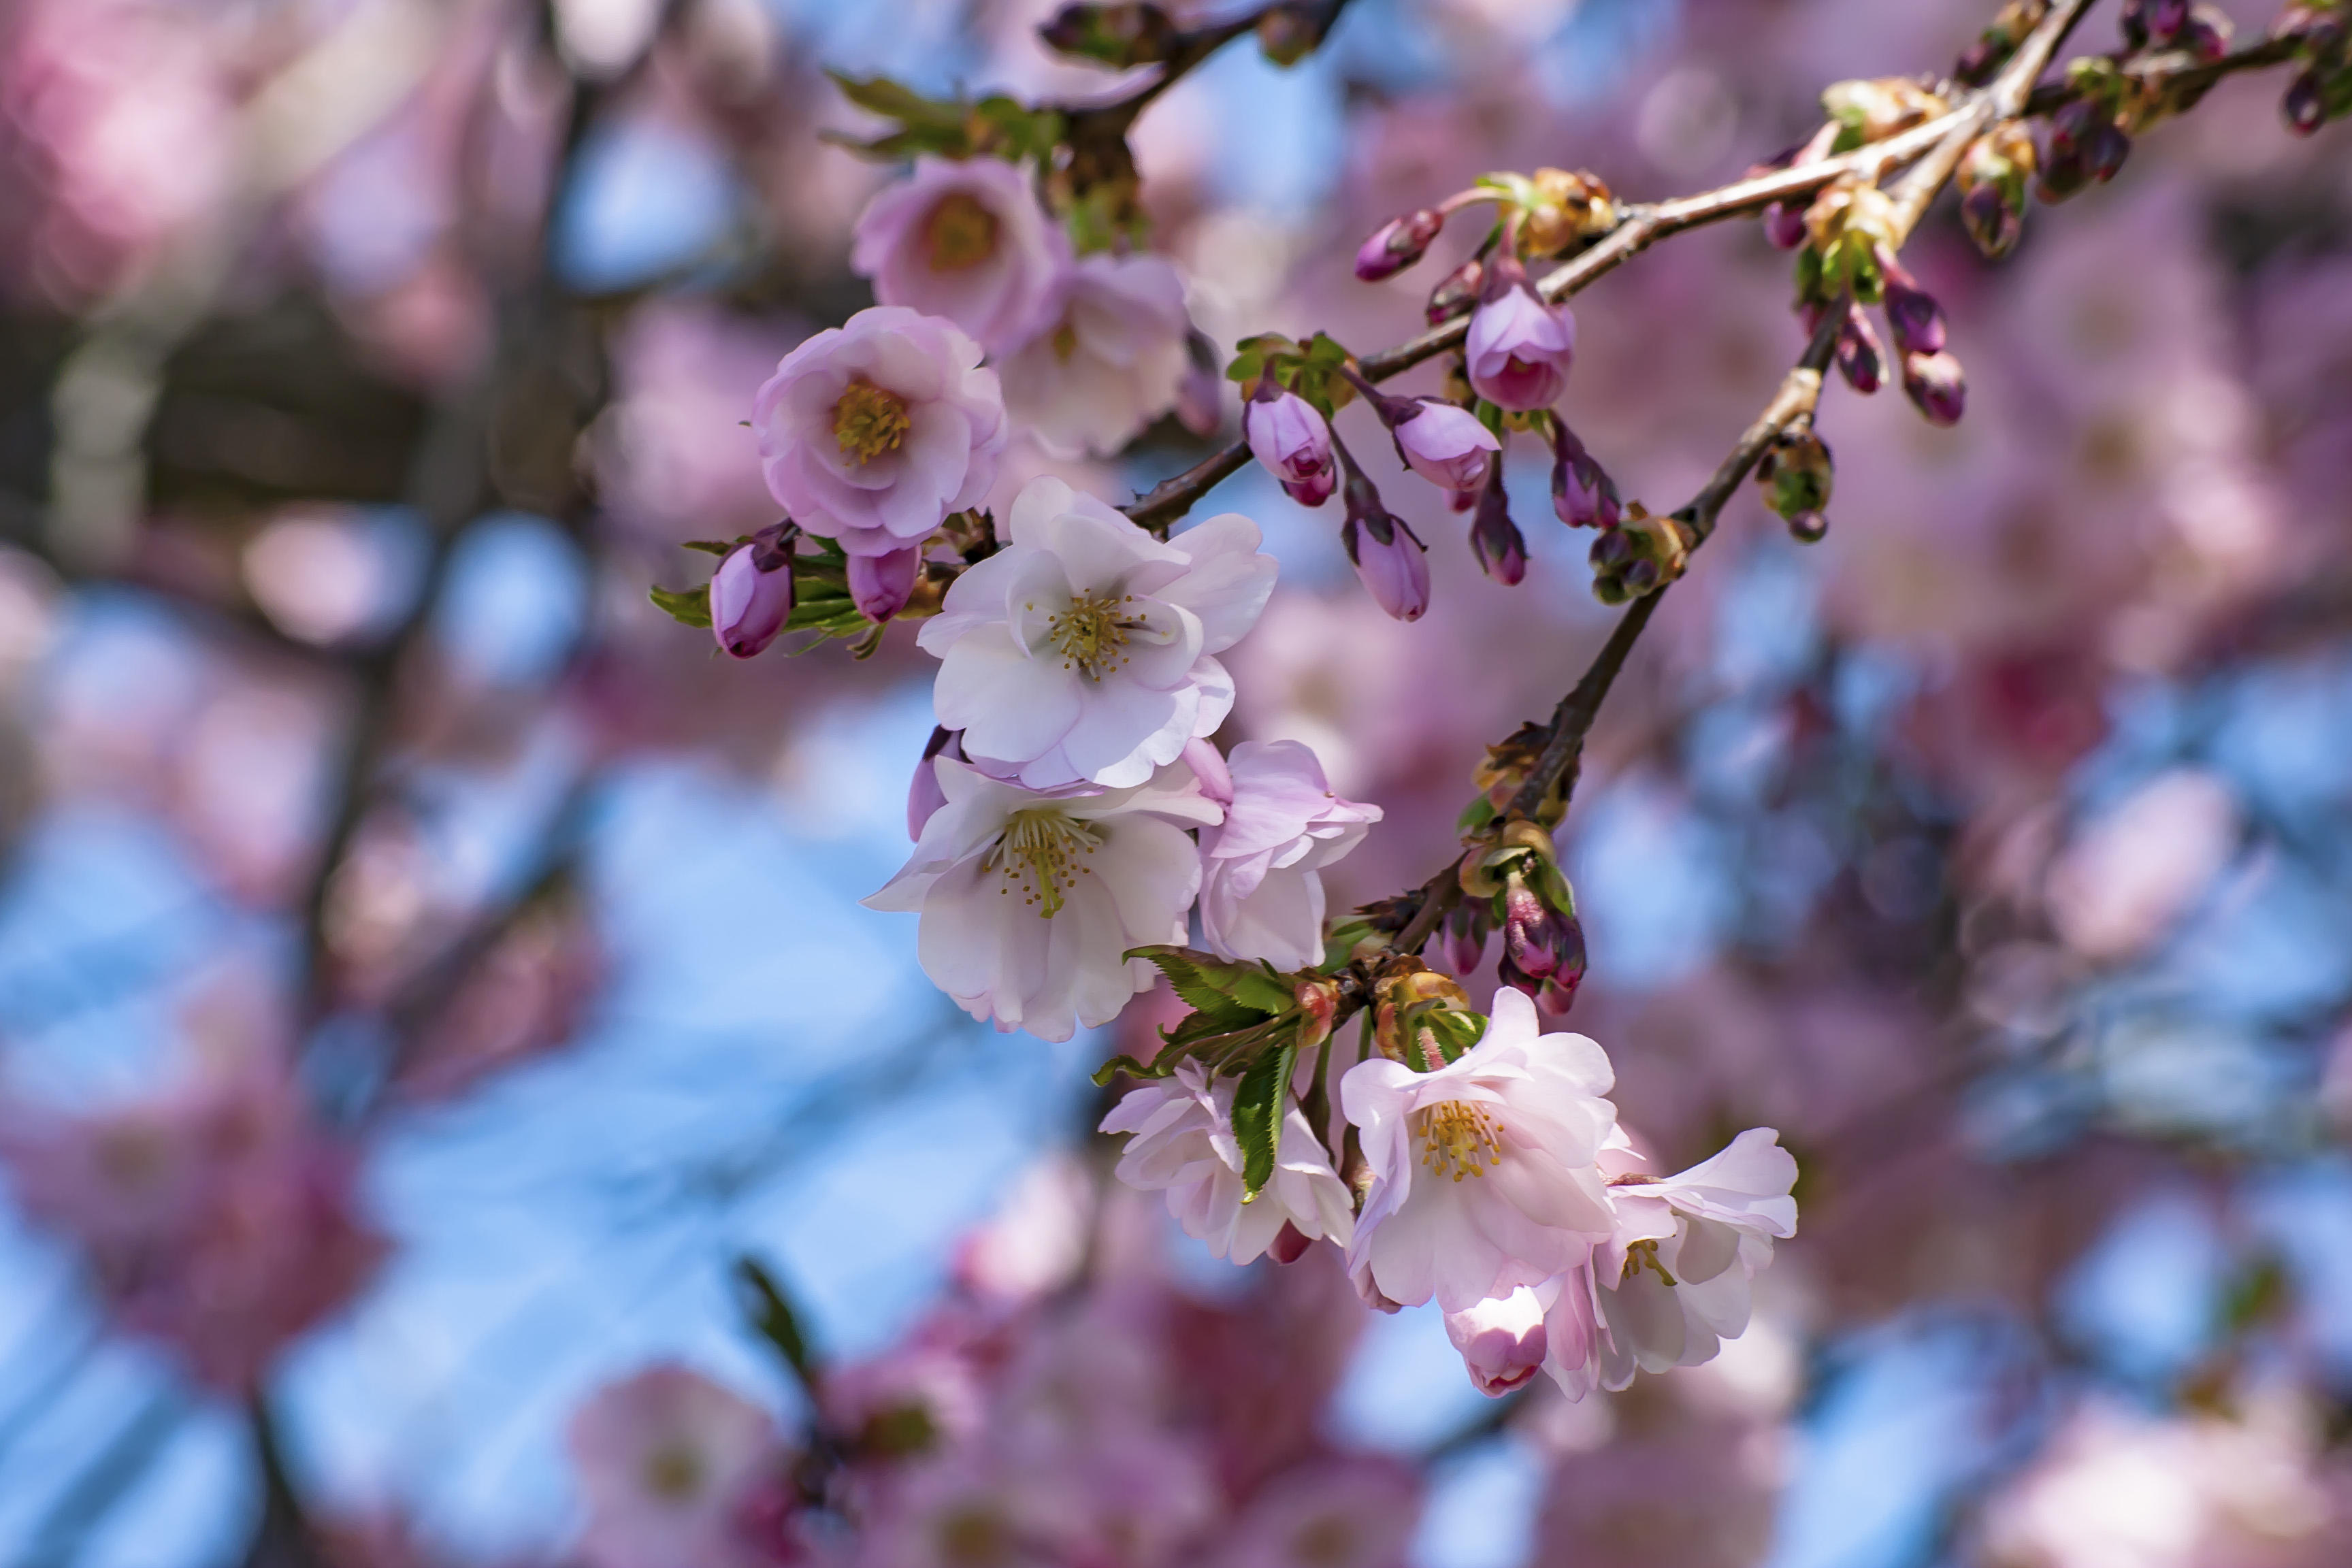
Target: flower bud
1292, 439
2305, 105
1784, 226
1796, 473
1582, 493
1442, 442
1388, 556
1502, 1342
1502, 551
1518, 349
881, 584
1420, 1018
1992, 220
751, 597
1464, 937
1456, 292
1861, 358
1911, 311
2205, 33
1937, 384
1568, 208
1809, 527
1640, 554
2105, 156
1397, 243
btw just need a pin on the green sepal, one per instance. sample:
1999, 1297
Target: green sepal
1258, 1102
1475, 815
996, 125
1455, 1030
690, 608
714, 546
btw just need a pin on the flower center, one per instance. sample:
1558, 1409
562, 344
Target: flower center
1640, 1255
1066, 342
868, 421
1091, 633
1042, 854
959, 233
1459, 1137
673, 1472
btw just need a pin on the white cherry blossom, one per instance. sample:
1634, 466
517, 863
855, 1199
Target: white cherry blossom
1083, 651
1108, 358
1029, 902
1262, 884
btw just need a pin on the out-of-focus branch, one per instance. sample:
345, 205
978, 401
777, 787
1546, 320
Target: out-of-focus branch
2176, 73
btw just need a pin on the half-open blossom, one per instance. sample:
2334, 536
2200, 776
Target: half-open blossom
1501, 1340
1518, 348
966, 239
1030, 903
1445, 443
1084, 650
1292, 438
1676, 1276
1108, 356
1262, 884
872, 431
1483, 1171
1183, 1142
675, 1469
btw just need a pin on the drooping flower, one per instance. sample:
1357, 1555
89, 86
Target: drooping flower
1445, 443
1261, 885
963, 238
1518, 348
675, 1469
1108, 358
872, 431
1483, 1171
1389, 557
1029, 903
1084, 650
1501, 1340
1292, 438
1183, 1143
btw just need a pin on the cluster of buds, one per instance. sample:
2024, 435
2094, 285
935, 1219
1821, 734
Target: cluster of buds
1548, 213
1420, 1018
1999, 41
1289, 392
2088, 142
1932, 377
1121, 35
1993, 175
1640, 554
1868, 111
1796, 475
2201, 29
1529, 902
2322, 90
1582, 493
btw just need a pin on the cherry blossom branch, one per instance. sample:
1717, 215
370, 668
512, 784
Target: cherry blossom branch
2177, 72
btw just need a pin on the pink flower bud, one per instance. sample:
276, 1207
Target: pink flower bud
2108, 149
751, 598
1937, 384
1442, 442
2206, 34
2305, 104
1582, 493
1502, 552
2166, 18
1290, 1244
1911, 311
1502, 1341
1291, 437
1465, 940
1388, 558
1518, 348
1991, 221
881, 584
1861, 358
1456, 292
1397, 243
1784, 224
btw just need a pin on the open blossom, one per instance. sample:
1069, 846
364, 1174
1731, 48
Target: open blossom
1183, 1143
1109, 357
1083, 651
1484, 1173
872, 431
1518, 348
676, 1468
1501, 1340
1262, 884
1029, 903
963, 238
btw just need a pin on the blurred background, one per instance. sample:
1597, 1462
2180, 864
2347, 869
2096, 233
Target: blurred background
375, 849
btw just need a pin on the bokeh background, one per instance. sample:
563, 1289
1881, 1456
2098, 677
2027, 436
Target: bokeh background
364, 361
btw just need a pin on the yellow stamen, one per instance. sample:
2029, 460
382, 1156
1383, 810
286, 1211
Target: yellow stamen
674, 1472
1458, 1137
1043, 853
1091, 633
1641, 1254
1064, 341
959, 233
868, 421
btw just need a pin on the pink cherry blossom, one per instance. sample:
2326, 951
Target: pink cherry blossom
1109, 357
1183, 1142
1029, 903
965, 240
872, 431
1083, 651
1291, 437
1518, 348
1261, 886
1351, 1512
1483, 1171
1501, 1340
675, 1469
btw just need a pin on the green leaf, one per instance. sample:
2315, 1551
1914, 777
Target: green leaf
691, 607
1475, 815
1258, 1104
770, 1312
895, 101
713, 546
1211, 985
1455, 1030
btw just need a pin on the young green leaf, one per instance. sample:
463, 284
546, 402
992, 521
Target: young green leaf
691, 608
1259, 1101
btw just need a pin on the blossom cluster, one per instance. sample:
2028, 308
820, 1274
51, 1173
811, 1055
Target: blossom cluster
1500, 1184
